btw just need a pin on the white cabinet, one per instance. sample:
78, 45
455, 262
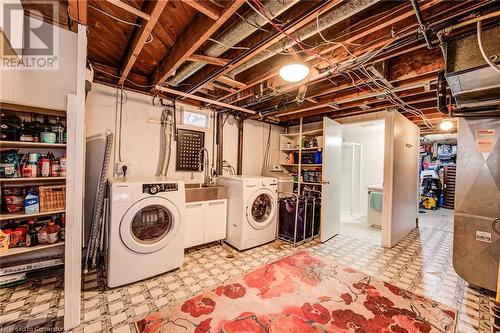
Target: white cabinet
215, 220
195, 221
205, 222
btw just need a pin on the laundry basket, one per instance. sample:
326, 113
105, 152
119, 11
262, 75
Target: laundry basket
298, 217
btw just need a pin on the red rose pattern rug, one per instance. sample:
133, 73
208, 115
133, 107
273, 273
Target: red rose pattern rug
303, 293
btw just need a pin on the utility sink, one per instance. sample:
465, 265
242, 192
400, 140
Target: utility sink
200, 192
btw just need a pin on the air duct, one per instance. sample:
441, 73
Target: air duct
341, 12
232, 36
474, 83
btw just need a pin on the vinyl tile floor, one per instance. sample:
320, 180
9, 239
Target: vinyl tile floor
421, 263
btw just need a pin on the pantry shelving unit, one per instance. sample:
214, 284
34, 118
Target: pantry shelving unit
12, 256
329, 140
34, 180
291, 143
34, 145
24, 250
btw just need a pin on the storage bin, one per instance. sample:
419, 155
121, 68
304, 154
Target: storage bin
52, 197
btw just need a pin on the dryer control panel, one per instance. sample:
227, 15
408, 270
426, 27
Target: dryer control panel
157, 188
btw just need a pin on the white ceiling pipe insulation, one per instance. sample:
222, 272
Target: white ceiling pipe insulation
337, 14
232, 36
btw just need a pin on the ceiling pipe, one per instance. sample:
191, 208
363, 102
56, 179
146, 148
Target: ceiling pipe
232, 36
441, 95
421, 21
239, 167
337, 14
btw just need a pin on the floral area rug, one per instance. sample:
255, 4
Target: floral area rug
303, 293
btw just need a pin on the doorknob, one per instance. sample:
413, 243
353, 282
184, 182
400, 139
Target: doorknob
326, 182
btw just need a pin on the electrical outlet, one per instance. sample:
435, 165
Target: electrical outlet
483, 236
119, 168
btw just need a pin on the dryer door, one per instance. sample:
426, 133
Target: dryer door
149, 225
261, 209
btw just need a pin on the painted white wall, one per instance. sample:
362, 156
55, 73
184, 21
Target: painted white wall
44, 88
371, 136
141, 139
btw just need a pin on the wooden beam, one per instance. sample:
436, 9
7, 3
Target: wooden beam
191, 38
231, 82
130, 9
203, 99
407, 12
206, 7
140, 38
208, 60
78, 11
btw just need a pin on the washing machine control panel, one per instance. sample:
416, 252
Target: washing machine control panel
157, 188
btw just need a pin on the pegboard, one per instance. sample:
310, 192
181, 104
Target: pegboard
189, 144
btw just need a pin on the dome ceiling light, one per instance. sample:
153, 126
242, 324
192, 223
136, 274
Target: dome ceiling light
294, 72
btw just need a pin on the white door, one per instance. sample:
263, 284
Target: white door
195, 224
261, 209
149, 225
332, 172
215, 220
400, 178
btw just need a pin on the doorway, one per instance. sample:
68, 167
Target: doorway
363, 153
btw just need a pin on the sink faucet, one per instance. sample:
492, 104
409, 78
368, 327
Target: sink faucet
207, 180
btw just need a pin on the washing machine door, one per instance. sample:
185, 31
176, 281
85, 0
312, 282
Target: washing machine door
261, 209
149, 225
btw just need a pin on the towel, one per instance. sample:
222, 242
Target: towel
376, 199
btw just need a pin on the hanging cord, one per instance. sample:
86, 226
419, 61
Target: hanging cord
267, 153
169, 123
161, 155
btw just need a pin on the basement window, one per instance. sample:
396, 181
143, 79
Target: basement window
190, 118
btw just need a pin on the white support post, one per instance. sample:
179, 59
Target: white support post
74, 190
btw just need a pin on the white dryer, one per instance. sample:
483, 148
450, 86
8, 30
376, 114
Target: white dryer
252, 205
145, 230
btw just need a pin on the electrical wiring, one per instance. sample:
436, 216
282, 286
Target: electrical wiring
262, 10
118, 77
228, 46
250, 23
150, 38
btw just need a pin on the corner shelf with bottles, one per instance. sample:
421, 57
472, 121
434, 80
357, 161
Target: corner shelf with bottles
301, 154
33, 169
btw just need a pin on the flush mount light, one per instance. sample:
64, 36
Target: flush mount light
294, 72
446, 125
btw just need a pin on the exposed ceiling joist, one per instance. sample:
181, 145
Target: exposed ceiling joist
77, 10
313, 60
192, 37
130, 9
206, 7
231, 82
208, 60
203, 99
139, 39
289, 30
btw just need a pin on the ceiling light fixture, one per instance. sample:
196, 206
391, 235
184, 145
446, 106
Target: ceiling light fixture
446, 125
294, 72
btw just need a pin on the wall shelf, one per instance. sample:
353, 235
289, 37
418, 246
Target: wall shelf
22, 250
21, 144
303, 149
33, 180
23, 216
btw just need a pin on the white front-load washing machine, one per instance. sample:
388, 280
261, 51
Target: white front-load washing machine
145, 229
252, 204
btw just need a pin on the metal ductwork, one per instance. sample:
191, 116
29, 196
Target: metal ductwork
342, 11
232, 36
474, 83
